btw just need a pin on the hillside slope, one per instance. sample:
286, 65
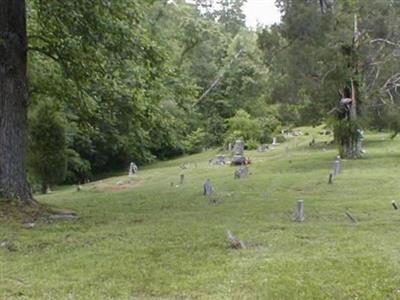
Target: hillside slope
143, 238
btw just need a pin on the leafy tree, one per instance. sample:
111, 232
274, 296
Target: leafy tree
242, 126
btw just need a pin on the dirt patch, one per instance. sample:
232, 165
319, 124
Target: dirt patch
117, 186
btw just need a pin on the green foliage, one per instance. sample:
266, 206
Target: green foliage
78, 169
47, 145
195, 141
242, 126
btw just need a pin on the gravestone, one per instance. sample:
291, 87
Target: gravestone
263, 148
132, 169
208, 188
238, 148
235, 243
242, 172
336, 166
394, 205
274, 141
182, 178
330, 181
300, 211
351, 217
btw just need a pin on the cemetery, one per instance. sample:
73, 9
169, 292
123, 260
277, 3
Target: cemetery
199, 149
283, 233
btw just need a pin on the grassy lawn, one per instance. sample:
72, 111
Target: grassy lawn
149, 240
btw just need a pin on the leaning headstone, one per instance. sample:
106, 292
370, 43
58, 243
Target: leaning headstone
394, 205
182, 179
235, 243
336, 166
300, 211
238, 148
208, 188
351, 217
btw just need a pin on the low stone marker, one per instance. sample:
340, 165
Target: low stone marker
299, 217
351, 217
208, 188
263, 148
235, 242
242, 172
394, 205
182, 178
330, 181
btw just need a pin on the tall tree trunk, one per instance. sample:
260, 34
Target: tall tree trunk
13, 101
351, 145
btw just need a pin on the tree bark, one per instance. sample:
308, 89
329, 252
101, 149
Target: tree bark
13, 102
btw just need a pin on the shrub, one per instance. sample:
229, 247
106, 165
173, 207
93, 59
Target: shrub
47, 145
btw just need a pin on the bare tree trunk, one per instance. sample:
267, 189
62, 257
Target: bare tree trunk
13, 101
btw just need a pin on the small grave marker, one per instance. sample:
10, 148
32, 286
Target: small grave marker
300, 211
208, 188
330, 178
351, 217
242, 172
336, 166
394, 205
235, 242
182, 178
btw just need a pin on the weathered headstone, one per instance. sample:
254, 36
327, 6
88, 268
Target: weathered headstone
182, 178
351, 217
208, 188
235, 243
132, 169
263, 148
394, 205
274, 141
242, 172
336, 166
172, 184
300, 211
238, 148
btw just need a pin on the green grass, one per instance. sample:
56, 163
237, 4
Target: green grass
155, 241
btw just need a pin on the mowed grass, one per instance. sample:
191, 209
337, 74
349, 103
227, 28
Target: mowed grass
155, 241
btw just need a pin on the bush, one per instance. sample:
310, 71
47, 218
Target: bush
195, 142
241, 126
47, 145
252, 144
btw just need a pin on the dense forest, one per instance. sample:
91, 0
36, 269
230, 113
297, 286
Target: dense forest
117, 81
